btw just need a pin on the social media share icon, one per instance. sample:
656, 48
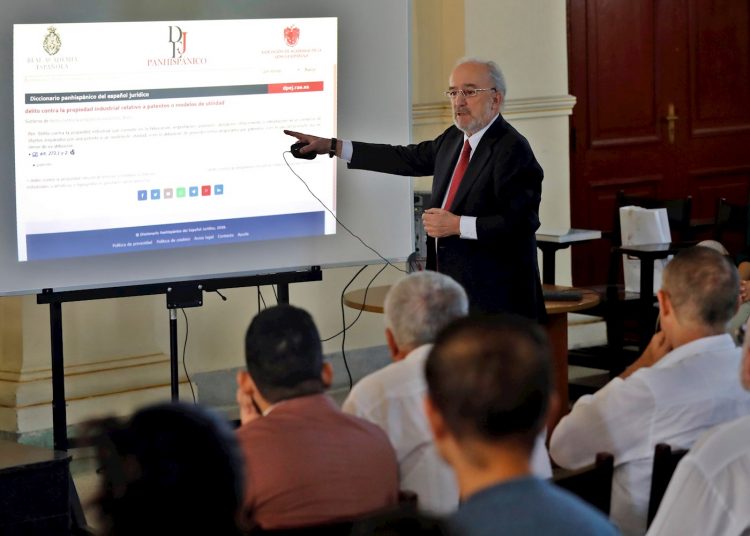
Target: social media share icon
180, 192
142, 195
206, 189
218, 189
193, 191
156, 194
168, 193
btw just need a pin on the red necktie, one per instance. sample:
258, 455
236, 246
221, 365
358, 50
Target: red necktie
458, 174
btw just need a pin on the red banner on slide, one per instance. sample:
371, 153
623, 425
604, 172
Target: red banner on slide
295, 87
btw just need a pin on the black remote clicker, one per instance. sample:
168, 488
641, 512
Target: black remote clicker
296, 154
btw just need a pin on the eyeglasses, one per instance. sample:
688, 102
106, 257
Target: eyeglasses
468, 93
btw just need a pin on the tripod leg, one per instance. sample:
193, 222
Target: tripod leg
283, 290
173, 355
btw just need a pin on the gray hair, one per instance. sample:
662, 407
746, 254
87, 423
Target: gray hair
421, 304
494, 70
703, 286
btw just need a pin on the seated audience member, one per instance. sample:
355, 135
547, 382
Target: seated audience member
684, 383
170, 469
306, 461
416, 309
710, 491
715, 245
489, 389
743, 313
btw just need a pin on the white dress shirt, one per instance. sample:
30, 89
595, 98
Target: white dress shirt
710, 491
393, 398
694, 387
467, 224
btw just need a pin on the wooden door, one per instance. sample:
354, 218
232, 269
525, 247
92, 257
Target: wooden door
663, 109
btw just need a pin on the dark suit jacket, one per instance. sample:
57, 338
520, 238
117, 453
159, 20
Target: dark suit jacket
502, 188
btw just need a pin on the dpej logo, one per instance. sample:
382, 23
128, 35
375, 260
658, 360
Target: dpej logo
178, 40
52, 42
291, 35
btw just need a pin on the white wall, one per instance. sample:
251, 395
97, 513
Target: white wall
528, 40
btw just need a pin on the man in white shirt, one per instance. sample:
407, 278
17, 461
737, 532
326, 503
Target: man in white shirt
710, 491
416, 309
684, 383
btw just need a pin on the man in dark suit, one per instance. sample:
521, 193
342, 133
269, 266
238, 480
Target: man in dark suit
486, 192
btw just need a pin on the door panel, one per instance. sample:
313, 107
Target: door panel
663, 109
621, 74
720, 73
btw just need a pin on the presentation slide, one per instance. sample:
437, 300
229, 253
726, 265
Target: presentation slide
137, 136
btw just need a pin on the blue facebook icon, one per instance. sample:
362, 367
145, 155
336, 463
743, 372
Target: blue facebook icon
142, 195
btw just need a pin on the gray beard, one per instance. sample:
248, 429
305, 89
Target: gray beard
472, 128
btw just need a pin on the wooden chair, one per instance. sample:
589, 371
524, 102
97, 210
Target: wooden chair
623, 307
343, 528
620, 309
401, 521
592, 483
405, 512
665, 462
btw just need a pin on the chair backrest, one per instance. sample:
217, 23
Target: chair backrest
732, 219
403, 514
665, 462
343, 528
592, 483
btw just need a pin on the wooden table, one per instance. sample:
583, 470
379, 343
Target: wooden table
557, 330
550, 243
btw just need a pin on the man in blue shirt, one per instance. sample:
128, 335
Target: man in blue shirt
489, 382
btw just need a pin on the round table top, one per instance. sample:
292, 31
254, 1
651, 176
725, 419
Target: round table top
376, 298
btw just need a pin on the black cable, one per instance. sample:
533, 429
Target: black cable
258, 289
184, 355
343, 343
343, 318
335, 218
342, 301
364, 301
223, 298
260, 293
